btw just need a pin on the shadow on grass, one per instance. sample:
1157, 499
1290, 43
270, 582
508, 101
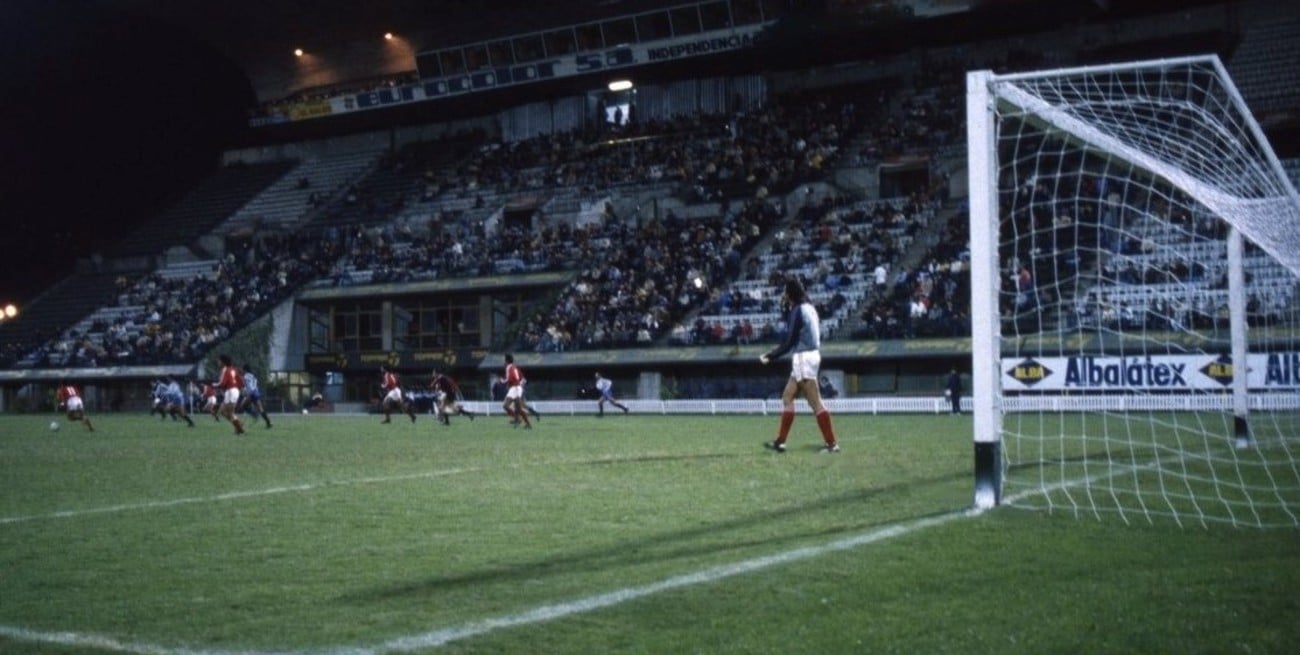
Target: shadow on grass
674, 545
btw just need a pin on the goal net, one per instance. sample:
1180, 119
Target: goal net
1135, 350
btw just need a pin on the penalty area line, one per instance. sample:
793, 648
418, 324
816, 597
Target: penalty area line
555, 611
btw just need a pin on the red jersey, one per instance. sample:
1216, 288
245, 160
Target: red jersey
66, 392
390, 381
444, 384
209, 391
514, 377
230, 378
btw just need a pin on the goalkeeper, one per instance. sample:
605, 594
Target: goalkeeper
803, 338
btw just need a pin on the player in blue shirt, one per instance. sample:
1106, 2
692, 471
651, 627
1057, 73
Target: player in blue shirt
252, 396
173, 400
605, 387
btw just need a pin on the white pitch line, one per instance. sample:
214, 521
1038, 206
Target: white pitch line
444, 636
545, 613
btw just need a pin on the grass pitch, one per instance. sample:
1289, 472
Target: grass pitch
627, 534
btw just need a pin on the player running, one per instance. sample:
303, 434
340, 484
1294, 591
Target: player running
70, 401
605, 387
173, 400
253, 396
446, 398
230, 382
159, 394
393, 397
515, 406
211, 400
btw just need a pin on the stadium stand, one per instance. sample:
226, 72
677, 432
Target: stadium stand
291, 199
473, 204
202, 209
1265, 62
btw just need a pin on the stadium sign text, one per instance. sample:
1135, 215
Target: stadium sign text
1084, 372
700, 47
1208, 372
582, 63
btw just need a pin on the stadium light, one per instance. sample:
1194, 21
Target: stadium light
297, 52
10, 311
388, 36
620, 85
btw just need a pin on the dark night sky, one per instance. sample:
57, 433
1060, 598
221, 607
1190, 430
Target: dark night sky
103, 117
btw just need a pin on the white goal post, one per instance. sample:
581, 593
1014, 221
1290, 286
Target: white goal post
1135, 252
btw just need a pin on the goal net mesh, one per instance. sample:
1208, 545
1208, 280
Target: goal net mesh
1120, 191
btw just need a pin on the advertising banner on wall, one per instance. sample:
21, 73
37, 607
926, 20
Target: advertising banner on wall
1207, 372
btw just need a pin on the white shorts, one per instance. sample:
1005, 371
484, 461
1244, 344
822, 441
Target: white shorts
394, 396
74, 404
515, 392
230, 396
210, 402
805, 365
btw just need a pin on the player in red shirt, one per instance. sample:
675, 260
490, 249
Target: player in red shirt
70, 401
446, 395
515, 403
210, 402
230, 382
393, 396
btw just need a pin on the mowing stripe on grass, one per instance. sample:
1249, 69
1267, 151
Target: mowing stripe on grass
442, 637
237, 495
233, 495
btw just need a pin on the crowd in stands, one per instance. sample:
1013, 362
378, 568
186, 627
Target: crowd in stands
639, 280
754, 153
178, 320
645, 278
931, 300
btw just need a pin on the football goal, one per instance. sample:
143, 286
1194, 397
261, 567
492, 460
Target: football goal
1135, 251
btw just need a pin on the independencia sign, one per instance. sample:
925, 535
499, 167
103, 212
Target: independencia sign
650, 52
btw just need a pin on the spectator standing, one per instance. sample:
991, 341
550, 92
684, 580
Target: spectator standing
952, 389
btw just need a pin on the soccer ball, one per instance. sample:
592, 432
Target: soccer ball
304, 411
54, 426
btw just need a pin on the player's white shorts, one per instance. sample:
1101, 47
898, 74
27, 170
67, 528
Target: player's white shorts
230, 396
394, 395
74, 404
210, 403
440, 397
515, 392
805, 365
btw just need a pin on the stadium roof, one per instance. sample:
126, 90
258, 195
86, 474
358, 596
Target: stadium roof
259, 36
